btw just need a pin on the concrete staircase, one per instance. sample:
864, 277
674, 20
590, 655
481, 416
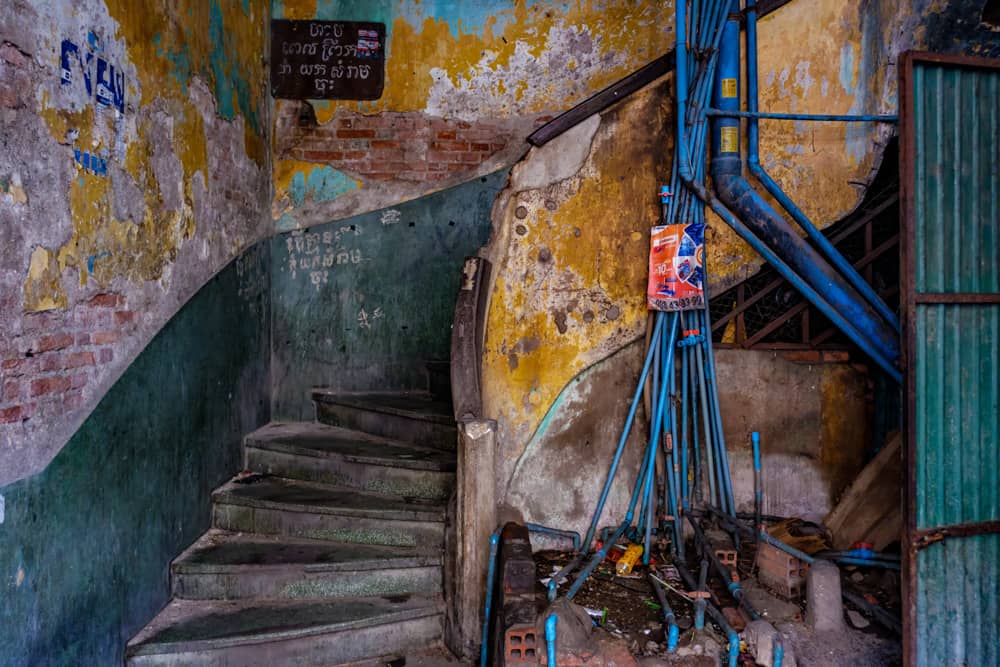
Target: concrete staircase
329, 554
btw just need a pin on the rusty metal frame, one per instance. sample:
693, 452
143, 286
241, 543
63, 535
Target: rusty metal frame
916, 539
810, 340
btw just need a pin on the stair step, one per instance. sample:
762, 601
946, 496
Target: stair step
317, 452
231, 566
268, 633
279, 506
413, 417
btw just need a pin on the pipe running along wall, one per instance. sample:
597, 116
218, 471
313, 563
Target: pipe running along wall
865, 324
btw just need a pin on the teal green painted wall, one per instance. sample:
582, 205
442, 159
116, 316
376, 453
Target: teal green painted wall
362, 303
85, 545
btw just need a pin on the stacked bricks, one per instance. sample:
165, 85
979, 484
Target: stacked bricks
392, 146
45, 370
780, 571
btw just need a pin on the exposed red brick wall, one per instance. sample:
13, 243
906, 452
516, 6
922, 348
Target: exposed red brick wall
44, 369
15, 80
390, 146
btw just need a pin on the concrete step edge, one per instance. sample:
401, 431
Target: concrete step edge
434, 607
382, 462
359, 401
227, 495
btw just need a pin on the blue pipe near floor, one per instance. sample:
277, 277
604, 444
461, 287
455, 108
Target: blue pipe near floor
490, 575
624, 437
737, 194
545, 530
758, 171
550, 638
757, 493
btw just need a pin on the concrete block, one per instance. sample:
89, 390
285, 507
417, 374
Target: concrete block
759, 636
824, 609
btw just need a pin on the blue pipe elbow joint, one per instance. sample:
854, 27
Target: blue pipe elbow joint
673, 636
550, 638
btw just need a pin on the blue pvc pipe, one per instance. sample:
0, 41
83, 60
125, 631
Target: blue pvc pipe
758, 171
778, 650
621, 442
490, 575
736, 192
757, 493
550, 638
850, 118
699, 604
734, 639
717, 413
673, 632
571, 534
786, 272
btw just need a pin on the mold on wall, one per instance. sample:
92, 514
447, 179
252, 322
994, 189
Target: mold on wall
569, 249
85, 545
813, 425
465, 84
365, 302
134, 165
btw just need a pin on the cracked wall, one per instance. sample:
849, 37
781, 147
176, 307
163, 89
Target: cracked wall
570, 244
465, 84
134, 166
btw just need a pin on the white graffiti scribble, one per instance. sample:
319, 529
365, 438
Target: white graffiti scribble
366, 319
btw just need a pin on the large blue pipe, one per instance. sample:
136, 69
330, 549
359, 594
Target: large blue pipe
866, 328
753, 162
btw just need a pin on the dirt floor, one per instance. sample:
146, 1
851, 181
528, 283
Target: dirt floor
627, 607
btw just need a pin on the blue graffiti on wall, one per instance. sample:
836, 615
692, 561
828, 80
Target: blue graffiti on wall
91, 162
103, 80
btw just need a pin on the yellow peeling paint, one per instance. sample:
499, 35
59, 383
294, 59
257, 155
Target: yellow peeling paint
634, 33
166, 45
42, 289
571, 289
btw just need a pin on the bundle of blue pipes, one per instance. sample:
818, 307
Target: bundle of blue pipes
686, 434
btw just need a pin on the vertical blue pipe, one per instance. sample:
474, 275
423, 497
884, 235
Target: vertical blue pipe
490, 575
753, 162
550, 638
658, 428
621, 442
699, 604
716, 412
684, 423
757, 494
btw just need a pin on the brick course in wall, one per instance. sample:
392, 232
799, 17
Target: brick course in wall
45, 369
391, 146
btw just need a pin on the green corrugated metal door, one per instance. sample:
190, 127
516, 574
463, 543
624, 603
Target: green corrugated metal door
951, 269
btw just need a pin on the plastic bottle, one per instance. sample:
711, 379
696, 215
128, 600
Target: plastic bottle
628, 559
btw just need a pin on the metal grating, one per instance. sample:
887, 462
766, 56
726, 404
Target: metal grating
951, 291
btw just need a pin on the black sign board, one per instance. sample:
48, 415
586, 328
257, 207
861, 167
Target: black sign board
327, 60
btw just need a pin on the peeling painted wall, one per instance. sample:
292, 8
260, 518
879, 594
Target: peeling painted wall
813, 425
466, 82
569, 249
134, 165
570, 238
85, 545
363, 303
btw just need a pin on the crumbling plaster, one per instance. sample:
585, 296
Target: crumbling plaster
177, 188
508, 62
570, 250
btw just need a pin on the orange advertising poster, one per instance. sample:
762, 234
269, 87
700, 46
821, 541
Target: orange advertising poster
676, 267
